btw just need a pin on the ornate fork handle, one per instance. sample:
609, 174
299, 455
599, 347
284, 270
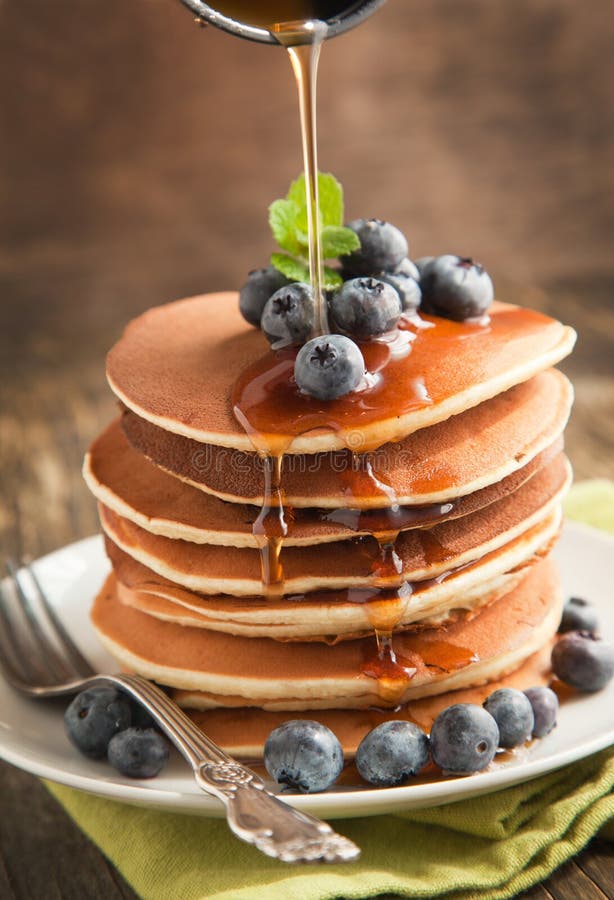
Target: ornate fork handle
254, 814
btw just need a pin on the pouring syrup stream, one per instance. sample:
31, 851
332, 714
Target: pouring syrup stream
303, 41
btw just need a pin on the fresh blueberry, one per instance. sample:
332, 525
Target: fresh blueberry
140, 716
288, 316
260, 285
390, 753
409, 268
423, 263
382, 248
513, 713
329, 367
578, 615
406, 285
94, 716
456, 287
545, 705
583, 660
365, 308
464, 738
304, 755
138, 752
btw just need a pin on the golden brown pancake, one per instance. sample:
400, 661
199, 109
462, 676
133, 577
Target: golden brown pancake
337, 615
261, 672
464, 454
176, 366
131, 486
242, 731
424, 553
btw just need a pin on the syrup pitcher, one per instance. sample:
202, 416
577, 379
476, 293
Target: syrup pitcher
261, 20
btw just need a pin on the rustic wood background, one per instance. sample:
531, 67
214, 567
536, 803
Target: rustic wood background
137, 159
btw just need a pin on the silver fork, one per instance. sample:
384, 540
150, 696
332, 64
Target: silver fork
39, 659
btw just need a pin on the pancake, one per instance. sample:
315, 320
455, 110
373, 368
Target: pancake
242, 731
423, 553
336, 615
131, 486
462, 455
262, 672
176, 366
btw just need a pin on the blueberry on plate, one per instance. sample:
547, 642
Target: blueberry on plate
464, 738
328, 367
583, 660
545, 705
260, 285
578, 615
140, 717
382, 248
288, 316
365, 308
303, 754
456, 287
94, 716
513, 713
138, 752
391, 753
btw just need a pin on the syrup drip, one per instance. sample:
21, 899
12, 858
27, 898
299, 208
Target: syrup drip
375, 521
271, 527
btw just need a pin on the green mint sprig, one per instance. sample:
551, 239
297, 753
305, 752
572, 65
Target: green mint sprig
288, 221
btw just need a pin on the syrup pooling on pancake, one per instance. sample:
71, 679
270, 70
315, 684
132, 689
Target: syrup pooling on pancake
269, 405
273, 411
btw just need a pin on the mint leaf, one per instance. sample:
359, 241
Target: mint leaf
282, 219
331, 278
330, 196
288, 221
297, 192
337, 241
293, 269
297, 270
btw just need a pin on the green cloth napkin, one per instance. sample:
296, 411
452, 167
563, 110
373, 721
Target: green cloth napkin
488, 848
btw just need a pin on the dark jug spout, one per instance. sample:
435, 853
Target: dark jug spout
353, 15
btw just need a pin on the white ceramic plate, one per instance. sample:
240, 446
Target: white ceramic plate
32, 732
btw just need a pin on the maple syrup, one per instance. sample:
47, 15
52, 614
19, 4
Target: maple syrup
271, 13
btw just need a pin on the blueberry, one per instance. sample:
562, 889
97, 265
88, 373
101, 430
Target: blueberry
513, 713
409, 268
260, 285
545, 705
140, 716
423, 263
138, 752
578, 615
382, 248
583, 660
464, 738
304, 755
406, 285
390, 753
288, 316
329, 367
94, 716
365, 308
456, 287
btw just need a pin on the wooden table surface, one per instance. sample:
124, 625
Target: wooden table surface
138, 158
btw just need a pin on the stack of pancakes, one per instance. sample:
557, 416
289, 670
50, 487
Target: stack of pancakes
401, 553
